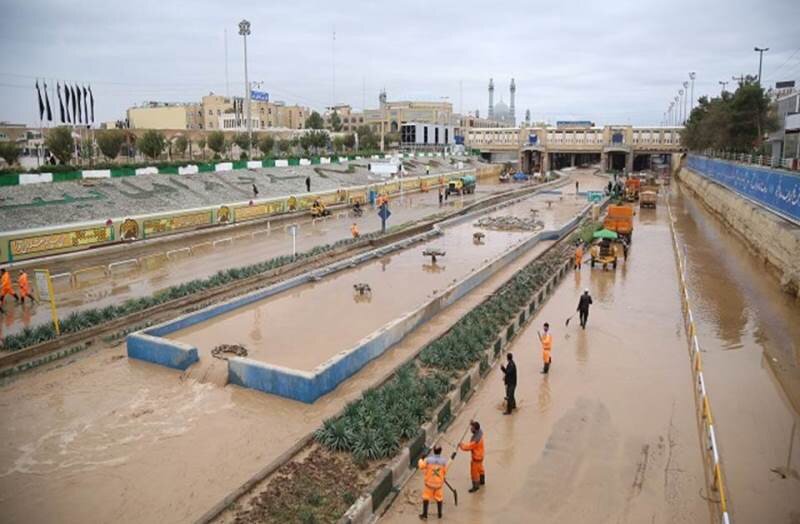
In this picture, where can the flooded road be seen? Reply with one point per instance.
(749, 334)
(610, 434)
(100, 437)
(157, 270)
(285, 329)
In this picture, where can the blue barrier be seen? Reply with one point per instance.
(775, 190)
(170, 353)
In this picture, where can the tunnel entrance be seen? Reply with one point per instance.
(531, 162)
(564, 160)
(617, 160)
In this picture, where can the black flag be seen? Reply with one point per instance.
(47, 104)
(85, 106)
(68, 98)
(80, 101)
(74, 105)
(91, 103)
(41, 104)
(60, 102)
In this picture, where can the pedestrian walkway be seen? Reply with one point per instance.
(610, 434)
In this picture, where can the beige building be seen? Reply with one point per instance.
(218, 113)
(390, 115)
(156, 115)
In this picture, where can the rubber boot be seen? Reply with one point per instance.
(439, 508)
(483, 479)
(424, 514)
(475, 487)
(546, 368)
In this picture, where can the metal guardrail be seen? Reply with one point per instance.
(790, 164)
(711, 450)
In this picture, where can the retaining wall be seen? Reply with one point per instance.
(774, 239)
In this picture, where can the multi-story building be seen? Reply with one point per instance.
(390, 115)
(219, 113)
(160, 115)
(785, 142)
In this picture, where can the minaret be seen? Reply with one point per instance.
(491, 99)
(527, 116)
(511, 107)
(382, 98)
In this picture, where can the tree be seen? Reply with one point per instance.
(242, 140)
(266, 144)
(336, 122)
(284, 146)
(216, 141)
(201, 143)
(314, 121)
(367, 139)
(110, 142)
(151, 143)
(732, 122)
(181, 144)
(60, 143)
(338, 144)
(9, 151)
(392, 138)
(350, 141)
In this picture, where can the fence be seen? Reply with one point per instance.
(711, 453)
(792, 164)
(774, 190)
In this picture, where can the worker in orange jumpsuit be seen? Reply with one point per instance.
(579, 256)
(475, 447)
(5, 286)
(435, 469)
(354, 230)
(24, 287)
(546, 340)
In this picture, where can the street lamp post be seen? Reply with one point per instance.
(760, 51)
(677, 109)
(685, 101)
(723, 84)
(244, 30)
(691, 101)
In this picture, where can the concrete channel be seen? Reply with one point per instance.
(130, 441)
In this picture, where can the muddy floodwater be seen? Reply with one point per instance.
(103, 438)
(251, 244)
(749, 332)
(304, 327)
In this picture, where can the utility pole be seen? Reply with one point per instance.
(760, 51)
(739, 79)
(691, 102)
(333, 61)
(723, 84)
(227, 81)
(681, 105)
(677, 110)
(244, 30)
(685, 102)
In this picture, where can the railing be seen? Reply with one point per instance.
(792, 164)
(711, 453)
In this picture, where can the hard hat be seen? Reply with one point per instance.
(586, 290)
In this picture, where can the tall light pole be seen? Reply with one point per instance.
(671, 105)
(677, 110)
(244, 30)
(723, 84)
(691, 102)
(760, 51)
(685, 101)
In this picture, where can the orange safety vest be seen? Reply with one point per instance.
(354, 230)
(435, 468)
(475, 447)
(5, 282)
(579, 253)
(547, 342)
(24, 286)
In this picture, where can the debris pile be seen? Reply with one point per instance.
(223, 351)
(510, 223)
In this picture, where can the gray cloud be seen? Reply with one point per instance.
(606, 61)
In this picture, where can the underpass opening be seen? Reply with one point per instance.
(617, 160)
(562, 160)
(531, 161)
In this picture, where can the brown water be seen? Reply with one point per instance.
(749, 333)
(162, 272)
(610, 434)
(102, 438)
(306, 326)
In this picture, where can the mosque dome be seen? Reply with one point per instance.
(500, 110)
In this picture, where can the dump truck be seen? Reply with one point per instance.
(464, 185)
(632, 187)
(620, 220)
(648, 195)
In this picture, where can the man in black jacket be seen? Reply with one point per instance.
(510, 380)
(583, 307)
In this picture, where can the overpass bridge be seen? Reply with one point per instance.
(615, 147)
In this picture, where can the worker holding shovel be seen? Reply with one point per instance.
(475, 447)
(435, 469)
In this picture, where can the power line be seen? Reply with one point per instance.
(775, 71)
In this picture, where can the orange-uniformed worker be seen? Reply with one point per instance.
(547, 346)
(578, 256)
(5, 286)
(434, 468)
(354, 230)
(475, 447)
(24, 286)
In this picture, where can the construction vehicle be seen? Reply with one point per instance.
(632, 187)
(318, 209)
(648, 195)
(620, 220)
(464, 185)
(604, 252)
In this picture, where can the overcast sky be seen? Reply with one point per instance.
(616, 61)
